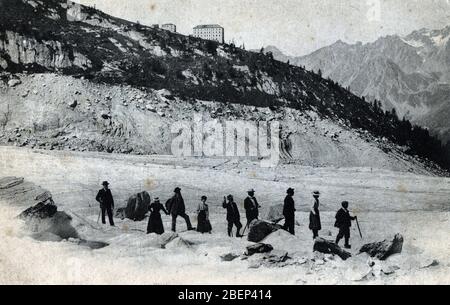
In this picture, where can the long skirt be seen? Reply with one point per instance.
(155, 224)
(203, 225)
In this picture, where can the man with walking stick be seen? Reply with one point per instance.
(105, 198)
(251, 206)
(344, 222)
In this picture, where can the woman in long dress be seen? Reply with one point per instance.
(155, 224)
(314, 216)
(203, 225)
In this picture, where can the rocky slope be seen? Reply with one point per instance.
(410, 74)
(76, 78)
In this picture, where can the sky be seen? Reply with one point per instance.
(297, 27)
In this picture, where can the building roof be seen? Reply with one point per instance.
(207, 26)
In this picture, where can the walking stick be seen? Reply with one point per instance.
(245, 228)
(359, 229)
(98, 219)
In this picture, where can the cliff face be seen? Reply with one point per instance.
(52, 55)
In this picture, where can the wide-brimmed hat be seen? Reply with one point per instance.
(229, 196)
(105, 183)
(251, 191)
(204, 197)
(177, 189)
(156, 199)
(290, 190)
(316, 193)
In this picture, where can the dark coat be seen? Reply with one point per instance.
(314, 220)
(343, 219)
(251, 208)
(232, 211)
(289, 207)
(175, 205)
(155, 224)
(105, 198)
(203, 224)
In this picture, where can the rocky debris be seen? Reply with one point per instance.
(258, 248)
(274, 213)
(382, 250)
(258, 230)
(328, 247)
(9, 182)
(229, 257)
(14, 82)
(274, 259)
(137, 206)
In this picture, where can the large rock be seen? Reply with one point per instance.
(41, 210)
(14, 82)
(328, 247)
(258, 248)
(258, 230)
(274, 213)
(59, 224)
(137, 206)
(382, 250)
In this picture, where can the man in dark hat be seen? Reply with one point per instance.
(175, 206)
(105, 198)
(289, 211)
(233, 215)
(344, 222)
(251, 207)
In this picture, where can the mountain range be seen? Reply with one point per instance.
(409, 73)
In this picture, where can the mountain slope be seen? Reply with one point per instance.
(410, 74)
(164, 76)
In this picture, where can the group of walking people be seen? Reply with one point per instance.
(175, 207)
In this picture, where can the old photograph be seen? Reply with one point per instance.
(237, 142)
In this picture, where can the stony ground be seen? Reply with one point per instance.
(386, 203)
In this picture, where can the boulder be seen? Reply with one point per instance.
(382, 250)
(137, 206)
(14, 82)
(41, 210)
(258, 230)
(328, 247)
(274, 213)
(258, 248)
(59, 224)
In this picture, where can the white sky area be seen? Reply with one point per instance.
(297, 27)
